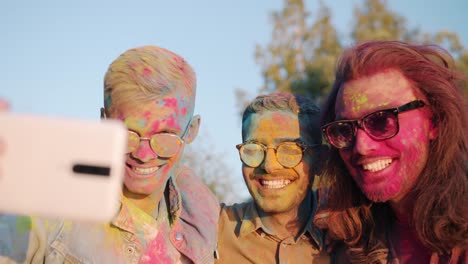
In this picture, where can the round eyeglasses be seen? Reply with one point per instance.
(165, 145)
(288, 154)
(379, 125)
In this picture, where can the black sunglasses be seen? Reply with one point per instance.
(379, 125)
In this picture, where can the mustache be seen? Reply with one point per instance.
(284, 174)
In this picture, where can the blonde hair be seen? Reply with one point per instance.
(145, 73)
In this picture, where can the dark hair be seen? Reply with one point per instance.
(303, 106)
(440, 215)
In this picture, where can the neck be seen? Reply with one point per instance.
(290, 223)
(403, 208)
(146, 202)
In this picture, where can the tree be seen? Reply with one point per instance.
(213, 171)
(301, 58)
(375, 21)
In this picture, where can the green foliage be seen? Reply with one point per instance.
(214, 172)
(375, 21)
(302, 54)
(300, 57)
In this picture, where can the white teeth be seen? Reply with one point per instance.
(145, 170)
(377, 165)
(274, 184)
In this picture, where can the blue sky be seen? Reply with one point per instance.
(55, 53)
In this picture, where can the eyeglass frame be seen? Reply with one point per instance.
(357, 123)
(302, 145)
(181, 137)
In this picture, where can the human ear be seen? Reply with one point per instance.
(432, 130)
(193, 129)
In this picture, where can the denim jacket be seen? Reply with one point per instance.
(184, 232)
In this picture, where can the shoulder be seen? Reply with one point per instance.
(230, 225)
(16, 232)
(197, 198)
(26, 239)
(235, 212)
(232, 216)
(199, 215)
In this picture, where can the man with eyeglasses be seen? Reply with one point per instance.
(167, 214)
(280, 154)
(396, 121)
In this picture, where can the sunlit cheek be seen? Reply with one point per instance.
(171, 163)
(247, 173)
(416, 155)
(303, 168)
(413, 148)
(166, 169)
(249, 179)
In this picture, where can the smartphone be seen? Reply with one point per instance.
(60, 167)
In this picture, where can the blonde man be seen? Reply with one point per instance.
(167, 214)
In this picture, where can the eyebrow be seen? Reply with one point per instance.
(281, 140)
(337, 118)
(277, 140)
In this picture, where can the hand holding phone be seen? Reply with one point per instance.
(59, 167)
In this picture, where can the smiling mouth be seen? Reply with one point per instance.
(143, 171)
(274, 184)
(377, 165)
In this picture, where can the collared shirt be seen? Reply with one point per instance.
(243, 238)
(183, 232)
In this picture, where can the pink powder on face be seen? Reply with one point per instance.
(177, 105)
(120, 116)
(277, 118)
(408, 149)
(378, 193)
(171, 102)
(173, 123)
(155, 126)
(146, 114)
(144, 152)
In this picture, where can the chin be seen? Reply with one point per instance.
(141, 190)
(271, 207)
(381, 196)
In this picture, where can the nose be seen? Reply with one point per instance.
(363, 143)
(144, 152)
(270, 163)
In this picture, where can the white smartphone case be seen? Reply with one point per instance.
(61, 168)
